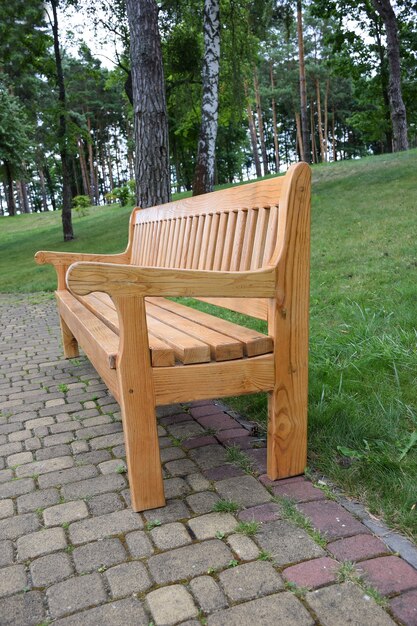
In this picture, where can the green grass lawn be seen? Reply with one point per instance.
(363, 357)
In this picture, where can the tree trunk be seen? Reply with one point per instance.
(50, 187)
(93, 182)
(397, 107)
(326, 120)
(384, 78)
(260, 122)
(83, 166)
(43, 188)
(152, 171)
(62, 133)
(319, 123)
(205, 165)
(11, 204)
(252, 131)
(303, 87)
(25, 199)
(334, 135)
(274, 118)
(299, 136)
(313, 136)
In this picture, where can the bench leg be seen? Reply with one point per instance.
(69, 342)
(137, 400)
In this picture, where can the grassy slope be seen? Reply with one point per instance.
(362, 408)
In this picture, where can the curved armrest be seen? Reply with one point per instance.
(67, 258)
(131, 280)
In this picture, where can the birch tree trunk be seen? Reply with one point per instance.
(397, 107)
(303, 87)
(152, 171)
(319, 122)
(260, 122)
(204, 171)
(252, 132)
(274, 118)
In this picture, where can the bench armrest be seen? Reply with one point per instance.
(130, 280)
(67, 258)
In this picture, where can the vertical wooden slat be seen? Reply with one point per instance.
(142, 251)
(218, 254)
(204, 242)
(271, 236)
(228, 243)
(162, 242)
(168, 243)
(238, 240)
(260, 237)
(199, 236)
(149, 244)
(137, 237)
(157, 239)
(212, 243)
(174, 237)
(186, 242)
(193, 234)
(180, 244)
(247, 247)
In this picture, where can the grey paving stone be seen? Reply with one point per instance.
(172, 604)
(170, 536)
(50, 569)
(181, 467)
(202, 502)
(139, 544)
(171, 454)
(12, 580)
(209, 456)
(52, 452)
(113, 466)
(14, 527)
(95, 457)
(22, 610)
(175, 487)
(243, 546)
(10, 448)
(281, 608)
(189, 561)
(287, 543)
(6, 553)
(208, 526)
(97, 554)
(35, 544)
(65, 513)
(128, 612)
(245, 490)
(6, 508)
(66, 476)
(16, 488)
(93, 486)
(34, 443)
(37, 500)
(173, 511)
(208, 594)
(128, 578)
(198, 482)
(184, 430)
(75, 594)
(6, 475)
(19, 459)
(99, 527)
(249, 581)
(105, 503)
(359, 606)
(107, 441)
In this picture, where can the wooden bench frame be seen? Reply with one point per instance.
(278, 292)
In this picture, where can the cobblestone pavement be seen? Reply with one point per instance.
(228, 549)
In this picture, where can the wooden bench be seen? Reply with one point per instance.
(245, 248)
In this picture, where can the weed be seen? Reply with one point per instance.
(225, 506)
(121, 469)
(264, 556)
(290, 512)
(153, 524)
(235, 455)
(220, 535)
(233, 563)
(63, 388)
(247, 528)
(300, 592)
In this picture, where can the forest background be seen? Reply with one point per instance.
(78, 112)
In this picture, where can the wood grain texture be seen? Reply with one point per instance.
(213, 380)
(137, 400)
(288, 323)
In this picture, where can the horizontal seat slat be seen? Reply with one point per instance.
(222, 347)
(254, 343)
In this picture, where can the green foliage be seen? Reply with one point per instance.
(225, 506)
(248, 528)
(81, 204)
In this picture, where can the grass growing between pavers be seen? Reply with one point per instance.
(362, 408)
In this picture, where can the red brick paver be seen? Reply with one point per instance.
(331, 519)
(404, 608)
(389, 574)
(357, 548)
(313, 574)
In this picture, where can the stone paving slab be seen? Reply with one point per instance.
(222, 552)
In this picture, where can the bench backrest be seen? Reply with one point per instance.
(235, 229)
